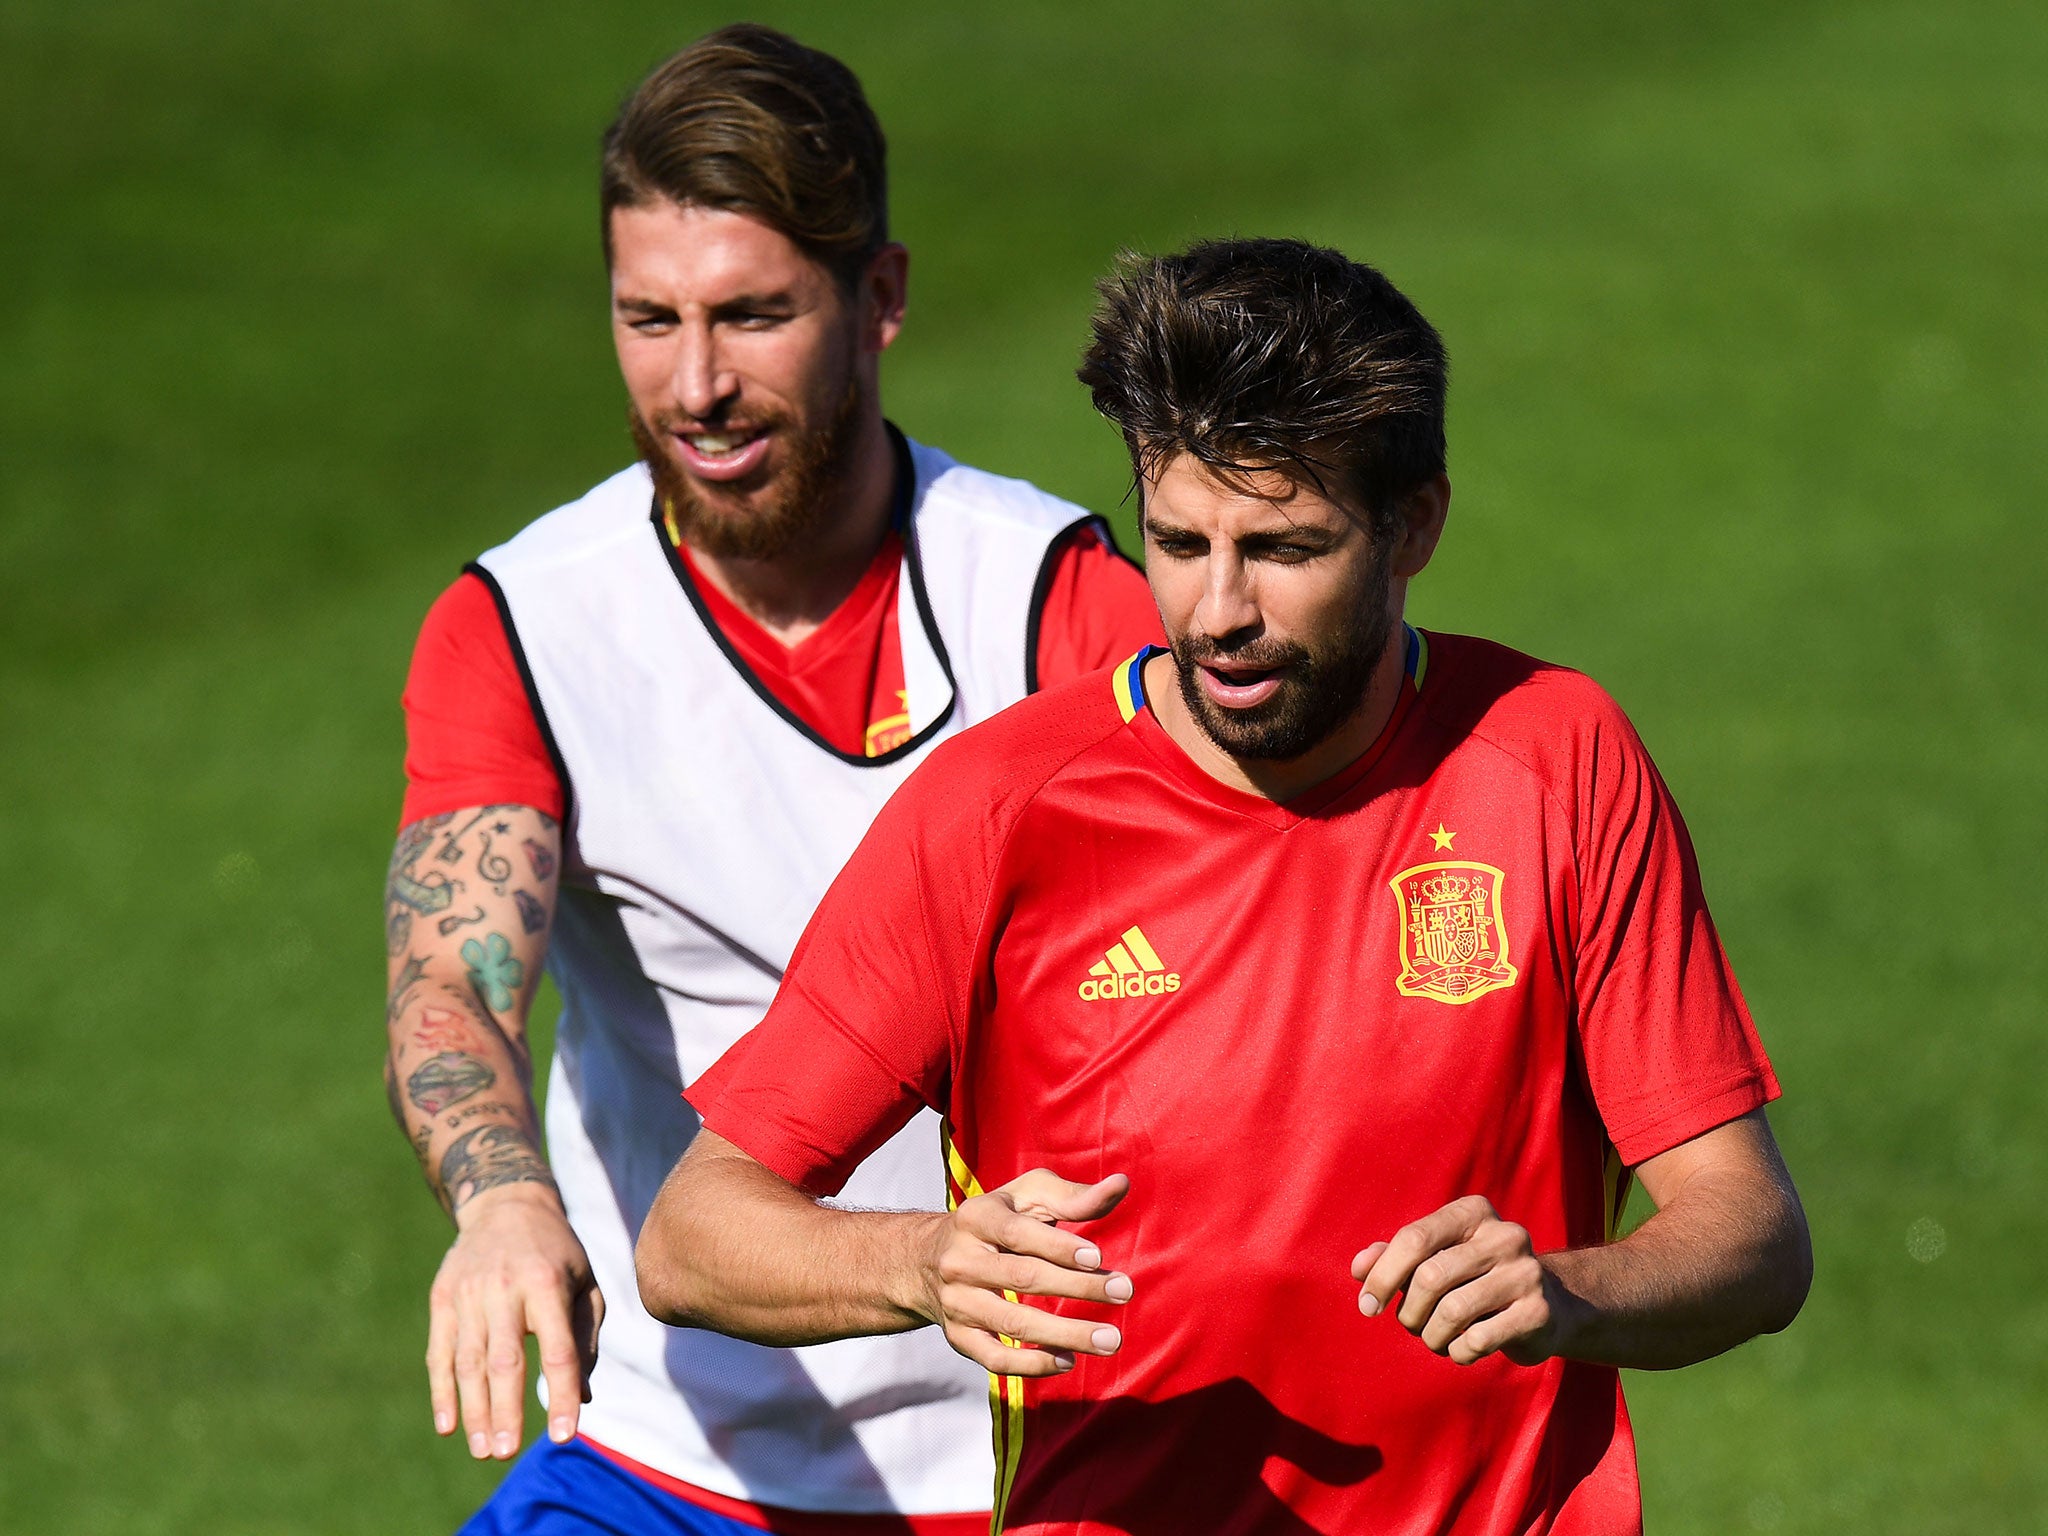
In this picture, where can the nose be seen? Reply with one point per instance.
(703, 386)
(1229, 605)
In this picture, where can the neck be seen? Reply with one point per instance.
(795, 592)
(1282, 779)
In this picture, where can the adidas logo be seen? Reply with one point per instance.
(1132, 968)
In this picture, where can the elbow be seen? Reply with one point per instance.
(1792, 1272)
(664, 1285)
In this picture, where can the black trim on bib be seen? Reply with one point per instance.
(1034, 619)
(903, 522)
(540, 713)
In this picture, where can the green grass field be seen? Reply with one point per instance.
(301, 306)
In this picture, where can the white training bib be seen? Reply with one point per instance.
(704, 825)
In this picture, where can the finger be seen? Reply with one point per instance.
(507, 1369)
(561, 1362)
(1526, 1319)
(1028, 1325)
(1465, 1306)
(1048, 1197)
(441, 1360)
(589, 1322)
(1361, 1265)
(1440, 1229)
(1000, 1359)
(967, 1262)
(471, 1384)
(1436, 1277)
(994, 1221)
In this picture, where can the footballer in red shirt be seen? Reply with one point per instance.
(1300, 1001)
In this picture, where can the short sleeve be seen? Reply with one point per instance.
(865, 1029)
(1669, 1046)
(470, 733)
(1096, 608)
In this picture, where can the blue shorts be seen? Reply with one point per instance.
(570, 1490)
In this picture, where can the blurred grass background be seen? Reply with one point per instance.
(301, 306)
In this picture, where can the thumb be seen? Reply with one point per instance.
(1048, 1197)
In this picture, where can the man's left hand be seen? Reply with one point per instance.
(1470, 1285)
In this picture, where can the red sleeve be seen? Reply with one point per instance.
(865, 1028)
(1095, 609)
(470, 734)
(1669, 1046)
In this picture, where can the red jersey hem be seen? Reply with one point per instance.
(797, 1522)
(1729, 1100)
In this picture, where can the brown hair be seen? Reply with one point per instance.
(748, 118)
(1272, 354)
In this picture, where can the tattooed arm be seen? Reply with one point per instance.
(466, 914)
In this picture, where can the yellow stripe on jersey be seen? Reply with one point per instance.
(1618, 1182)
(1005, 1393)
(1120, 685)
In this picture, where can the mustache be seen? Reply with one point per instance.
(678, 422)
(1264, 654)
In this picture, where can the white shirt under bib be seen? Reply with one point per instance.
(704, 824)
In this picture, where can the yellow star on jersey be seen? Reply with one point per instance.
(1441, 838)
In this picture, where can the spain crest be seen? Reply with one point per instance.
(1454, 945)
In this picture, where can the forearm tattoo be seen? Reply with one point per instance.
(455, 1008)
(443, 1081)
(488, 1157)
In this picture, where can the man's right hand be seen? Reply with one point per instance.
(1005, 1242)
(515, 1268)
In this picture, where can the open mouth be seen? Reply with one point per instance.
(1239, 687)
(723, 455)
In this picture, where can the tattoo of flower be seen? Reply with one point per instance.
(532, 915)
(447, 1079)
(495, 972)
(487, 1157)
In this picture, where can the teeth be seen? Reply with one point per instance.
(714, 442)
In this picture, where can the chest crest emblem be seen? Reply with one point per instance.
(1454, 945)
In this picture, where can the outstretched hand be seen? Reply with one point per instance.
(1003, 1245)
(515, 1268)
(1470, 1285)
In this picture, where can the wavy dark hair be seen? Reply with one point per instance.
(748, 118)
(1272, 354)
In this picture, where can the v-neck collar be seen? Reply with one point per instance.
(903, 519)
(1129, 686)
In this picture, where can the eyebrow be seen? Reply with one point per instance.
(745, 303)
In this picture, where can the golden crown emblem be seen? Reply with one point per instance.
(1445, 889)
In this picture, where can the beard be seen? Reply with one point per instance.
(1318, 692)
(795, 504)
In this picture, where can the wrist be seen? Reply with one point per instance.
(1572, 1316)
(911, 1283)
(535, 1191)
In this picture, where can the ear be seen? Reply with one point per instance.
(1422, 524)
(884, 291)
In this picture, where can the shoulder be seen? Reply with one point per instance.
(990, 773)
(957, 490)
(610, 512)
(1554, 720)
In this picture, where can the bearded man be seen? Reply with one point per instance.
(643, 736)
(1331, 977)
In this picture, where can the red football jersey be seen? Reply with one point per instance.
(1477, 961)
